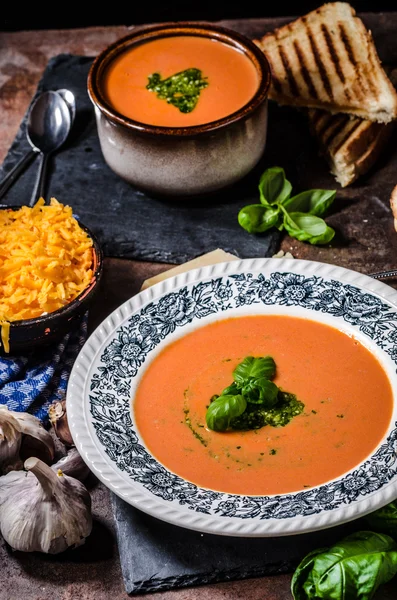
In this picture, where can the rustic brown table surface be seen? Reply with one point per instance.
(371, 246)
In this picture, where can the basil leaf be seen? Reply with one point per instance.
(300, 578)
(256, 218)
(222, 410)
(231, 390)
(307, 228)
(273, 186)
(353, 568)
(384, 520)
(314, 202)
(256, 368)
(260, 391)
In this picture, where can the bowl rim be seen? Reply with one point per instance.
(296, 512)
(98, 259)
(146, 33)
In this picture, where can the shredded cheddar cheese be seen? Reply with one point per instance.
(46, 261)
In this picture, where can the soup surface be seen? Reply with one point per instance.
(230, 76)
(346, 392)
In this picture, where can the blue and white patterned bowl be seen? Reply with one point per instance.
(111, 363)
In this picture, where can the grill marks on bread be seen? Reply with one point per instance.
(305, 70)
(333, 53)
(293, 86)
(327, 59)
(322, 63)
(333, 130)
(350, 145)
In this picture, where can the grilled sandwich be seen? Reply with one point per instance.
(327, 59)
(350, 145)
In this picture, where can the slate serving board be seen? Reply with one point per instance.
(128, 222)
(158, 556)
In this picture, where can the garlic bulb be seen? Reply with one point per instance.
(22, 431)
(59, 421)
(43, 510)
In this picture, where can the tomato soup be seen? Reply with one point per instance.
(346, 392)
(229, 79)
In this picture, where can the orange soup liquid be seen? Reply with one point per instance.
(346, 392)
(232, 80)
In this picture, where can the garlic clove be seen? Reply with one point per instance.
(43, 510)
(17, 430)
(59, 421)
(31, 446)
(73, 465)
(10, 442)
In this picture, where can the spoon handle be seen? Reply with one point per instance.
(39, 186)
(16, 171)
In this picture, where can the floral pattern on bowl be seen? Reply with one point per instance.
(114, 358)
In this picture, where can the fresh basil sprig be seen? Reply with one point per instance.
(252, 399)
(353, 568)
(299, 215)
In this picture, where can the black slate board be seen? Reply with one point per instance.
(157, 556)
(129, 223)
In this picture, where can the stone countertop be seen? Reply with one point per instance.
(94, 570)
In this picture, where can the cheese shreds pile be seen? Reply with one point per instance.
(46, 261)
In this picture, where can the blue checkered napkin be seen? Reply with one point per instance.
(30, 384)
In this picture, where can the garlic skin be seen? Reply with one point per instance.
(59, 421)
(10, 443)
(17, 429)
(73, 465)
(43, 510)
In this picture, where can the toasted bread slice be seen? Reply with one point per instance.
(350, 145)
(327, 59)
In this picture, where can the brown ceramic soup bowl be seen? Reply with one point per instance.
(182, 125)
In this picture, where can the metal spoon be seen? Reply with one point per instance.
(34, 115)
(48, 127)
(70, 100)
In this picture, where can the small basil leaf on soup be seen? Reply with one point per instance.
(222, 410)
(353, 568)
(255, 368)
(308, 228)
(182, 90)
(274, 188)
(256, 218)
(260, 391)
(314, 202)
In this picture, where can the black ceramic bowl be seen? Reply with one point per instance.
(31, 335)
